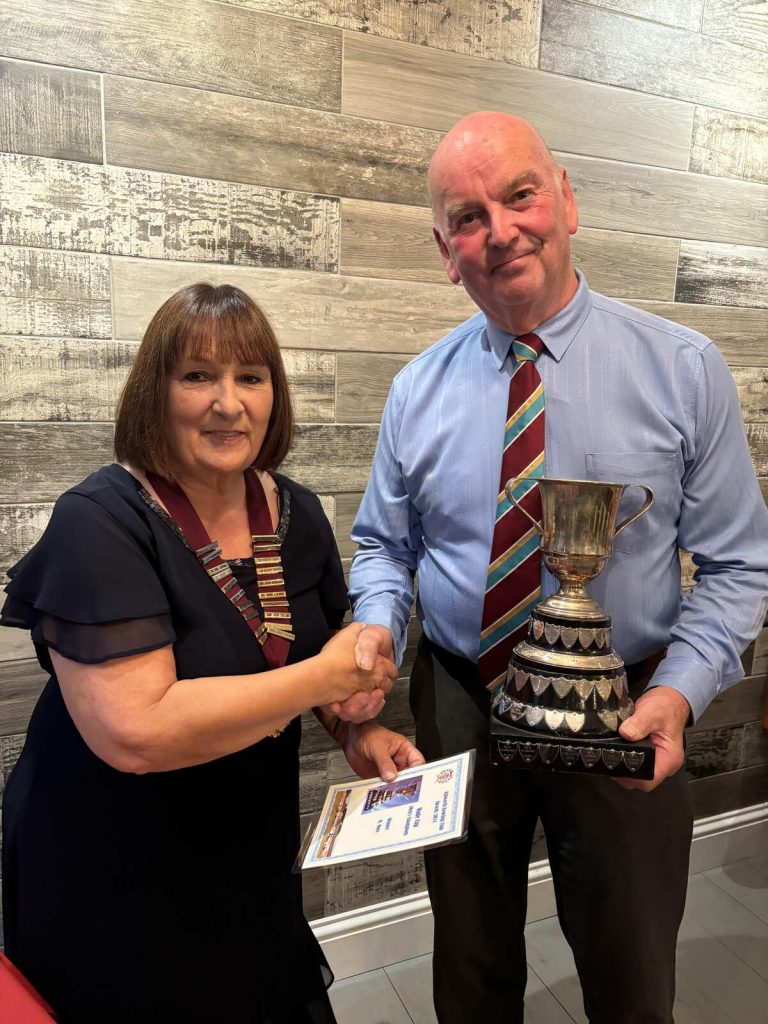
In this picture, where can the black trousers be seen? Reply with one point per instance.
(619, 862)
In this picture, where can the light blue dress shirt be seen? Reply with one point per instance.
(629, 397)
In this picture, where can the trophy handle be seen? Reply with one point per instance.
(636, 515)
(509, 487)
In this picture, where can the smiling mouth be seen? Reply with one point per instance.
(225, 435)
(512, 260)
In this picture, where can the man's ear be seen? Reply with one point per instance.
(450, 269)
(571, 207)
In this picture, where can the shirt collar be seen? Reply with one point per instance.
(557, 333)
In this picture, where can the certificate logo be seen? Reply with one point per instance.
(444, 776)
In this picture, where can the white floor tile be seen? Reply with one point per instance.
(550, 957)
(726, 982)
(412, 980)
(541, 1007)
(730, 922)
(747, 882)
(367, 999)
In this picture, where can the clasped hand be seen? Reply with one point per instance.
(355, 692)
(372, 643)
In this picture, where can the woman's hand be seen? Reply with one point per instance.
(342, 677)
(373, 750)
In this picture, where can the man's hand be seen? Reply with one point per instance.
(373, 750)
(661, 713)
(373, 640)
(362, 706)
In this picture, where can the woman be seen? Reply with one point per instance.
(182, 601)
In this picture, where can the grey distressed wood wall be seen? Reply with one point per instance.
(282, 146)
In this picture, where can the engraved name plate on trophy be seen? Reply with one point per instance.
(565, 694)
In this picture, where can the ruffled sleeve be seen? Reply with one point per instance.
(89, 588)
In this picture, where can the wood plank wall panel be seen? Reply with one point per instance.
(731, 145)
(723, 274)
(41, 460)
(50, 112)
(61, 379)
(751, 384)
(188, 131)
(389, 240)
(63, 205)
(188, 42)
(495, 30)
(411, 85)
(55, 293)
(346, 510)
(363, 380)
(20, 685)
(583, 41)
(307, 310)
(741, 21)
(680, 13)
(627, 197)
(233, 153)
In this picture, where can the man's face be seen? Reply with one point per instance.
(504, 215)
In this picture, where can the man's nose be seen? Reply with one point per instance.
(503, 229)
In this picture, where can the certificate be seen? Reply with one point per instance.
(424, 806)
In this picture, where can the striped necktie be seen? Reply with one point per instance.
(513, 585)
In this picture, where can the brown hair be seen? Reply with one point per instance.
(196, 322)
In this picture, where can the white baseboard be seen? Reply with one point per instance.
(386, 933)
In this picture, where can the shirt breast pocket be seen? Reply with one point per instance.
(662, 472)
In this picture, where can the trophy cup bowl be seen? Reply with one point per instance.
(566, 694)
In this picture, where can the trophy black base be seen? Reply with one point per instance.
(586, 755)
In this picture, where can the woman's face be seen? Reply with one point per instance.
(218, 414)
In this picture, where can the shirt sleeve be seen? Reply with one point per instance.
(388, 533)
(724, 523)
(89, 588)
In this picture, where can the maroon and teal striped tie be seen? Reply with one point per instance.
(513, 584)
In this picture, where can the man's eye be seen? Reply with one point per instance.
(524, 193)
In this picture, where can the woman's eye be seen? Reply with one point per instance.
(251, 378)
(195, 376)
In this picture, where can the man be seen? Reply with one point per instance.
(627, 397)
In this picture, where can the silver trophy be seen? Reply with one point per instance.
(565, 694)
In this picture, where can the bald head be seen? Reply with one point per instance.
(479, 130)
(503, 216)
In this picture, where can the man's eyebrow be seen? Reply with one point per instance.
(529, 177)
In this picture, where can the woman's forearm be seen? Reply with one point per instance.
(138, 717)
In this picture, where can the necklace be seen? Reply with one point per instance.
(274, 631)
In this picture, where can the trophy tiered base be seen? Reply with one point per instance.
(564, 699)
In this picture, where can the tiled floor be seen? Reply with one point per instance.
(722, 975)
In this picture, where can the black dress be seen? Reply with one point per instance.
(166, 897)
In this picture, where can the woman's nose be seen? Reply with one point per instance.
(227, 398)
